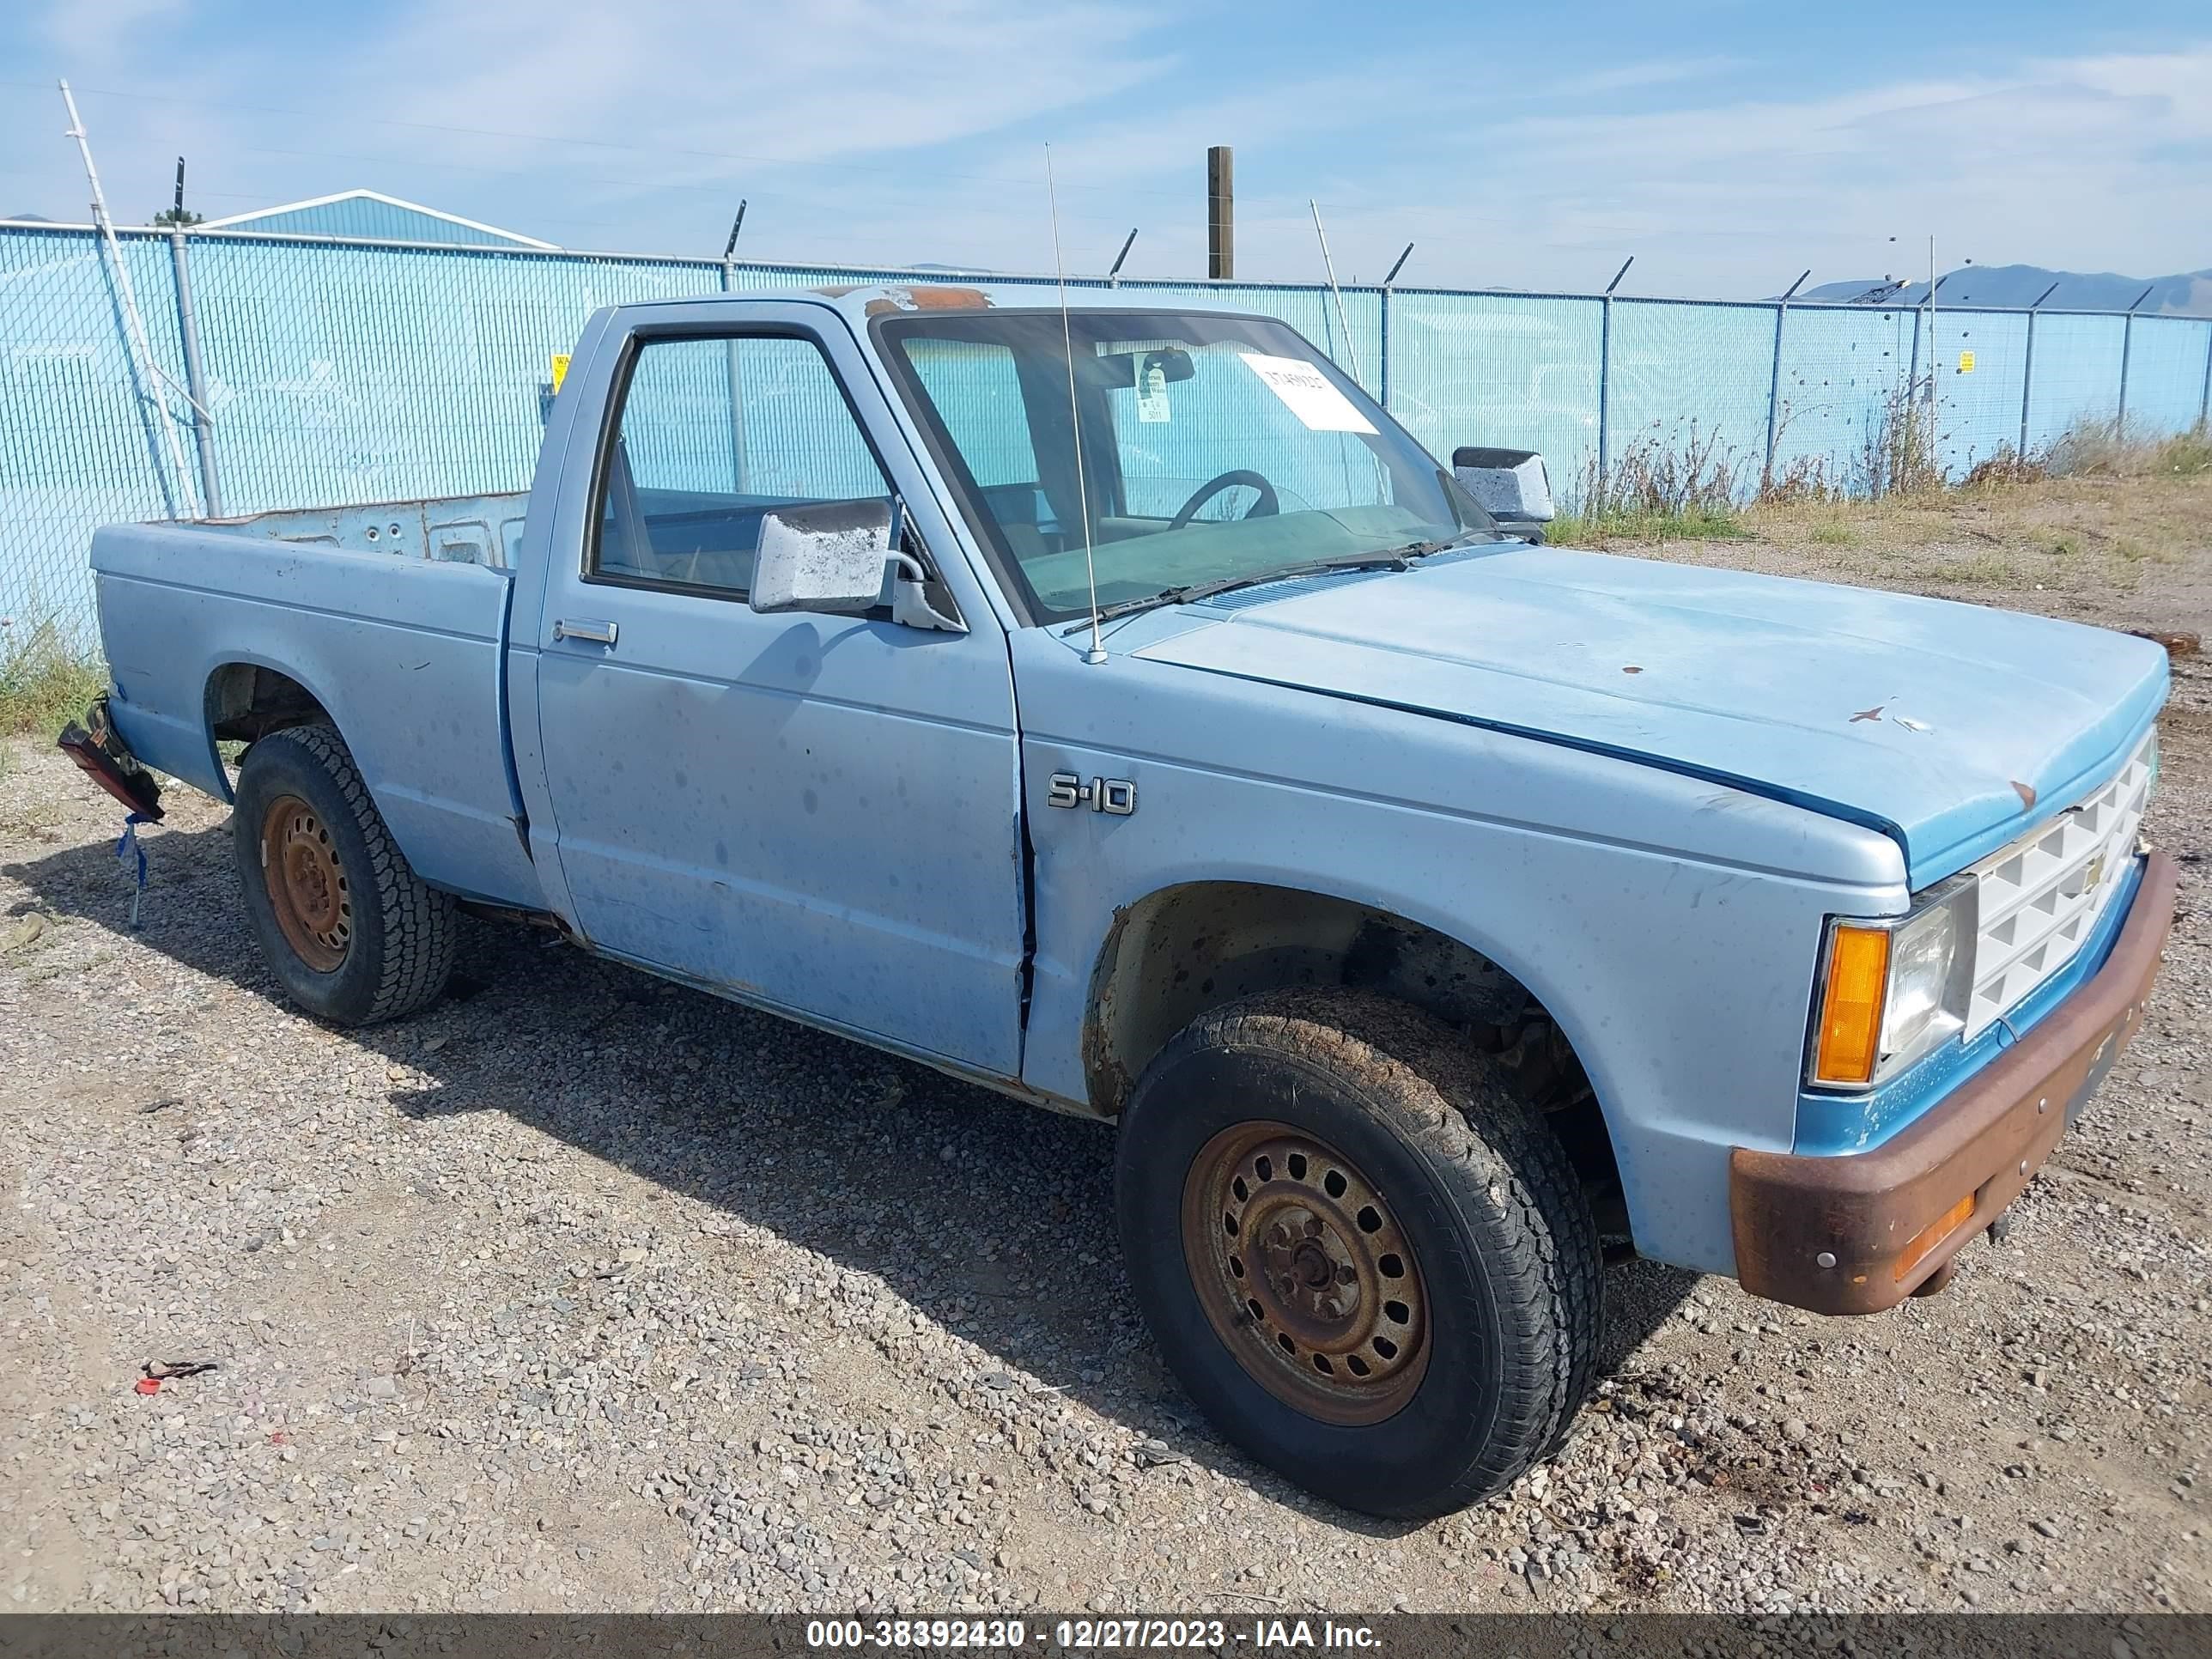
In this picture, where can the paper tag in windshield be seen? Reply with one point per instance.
(1151, 394)
(1307, 394)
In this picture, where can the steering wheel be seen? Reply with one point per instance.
(1266, 507)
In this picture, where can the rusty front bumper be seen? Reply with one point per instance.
(1829, 1233)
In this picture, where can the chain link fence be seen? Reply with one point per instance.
(77, 445)
(333, 372)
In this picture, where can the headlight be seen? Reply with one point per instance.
(1891, 990)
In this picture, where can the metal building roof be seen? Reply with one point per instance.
(369, 213)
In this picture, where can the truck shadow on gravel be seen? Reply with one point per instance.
(993, 1219)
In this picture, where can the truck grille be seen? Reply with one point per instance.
(2043, 895)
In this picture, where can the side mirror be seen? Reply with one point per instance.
(823, 556)
(1511, 484)
(836, 557)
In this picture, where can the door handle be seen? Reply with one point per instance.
(599, 633)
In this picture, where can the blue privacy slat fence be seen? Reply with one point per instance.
(336, 371)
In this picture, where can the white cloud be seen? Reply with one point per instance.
(2096, 163)
(556, 117)
(1655, 72)
(879, 131)
(100, 31)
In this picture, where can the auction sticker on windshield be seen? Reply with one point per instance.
(1307, 394)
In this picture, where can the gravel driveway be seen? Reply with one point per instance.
(582, 1292)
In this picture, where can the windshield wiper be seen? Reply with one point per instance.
(1191, 592)
(1422, 550)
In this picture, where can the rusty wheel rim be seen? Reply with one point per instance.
(1305, 1273)
(307, 884)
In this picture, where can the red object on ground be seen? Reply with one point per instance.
(149, 1385)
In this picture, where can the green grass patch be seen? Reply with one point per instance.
(2187, 455)
(1834, 535)
(1695, 524)
(2137, 552)
(43, 683)
(1987, 568)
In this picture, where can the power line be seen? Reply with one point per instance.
(719, 189)
(1455, 218)
(354, 119)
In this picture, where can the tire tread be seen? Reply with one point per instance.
(420, 926)
(1460, 1111)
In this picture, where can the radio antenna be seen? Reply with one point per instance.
(1096, 654)
(1343, 322)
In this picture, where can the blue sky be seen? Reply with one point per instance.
(1727, 146)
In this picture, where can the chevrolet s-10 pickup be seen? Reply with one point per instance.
(1118, 707)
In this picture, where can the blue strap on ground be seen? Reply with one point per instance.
(127, 847)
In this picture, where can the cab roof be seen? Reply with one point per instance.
(864, 301)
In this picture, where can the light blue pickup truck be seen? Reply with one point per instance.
(1117, 708)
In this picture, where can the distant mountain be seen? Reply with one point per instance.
(2189, 293)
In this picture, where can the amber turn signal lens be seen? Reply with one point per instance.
(1930, 1237)
(1850, 1009)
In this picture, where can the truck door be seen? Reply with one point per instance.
(816, 813)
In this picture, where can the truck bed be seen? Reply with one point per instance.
(483, 529)
(405, 653)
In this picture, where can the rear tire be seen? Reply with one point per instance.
(1364, 1258)
(350, 930)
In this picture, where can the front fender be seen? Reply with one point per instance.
(1669, 925)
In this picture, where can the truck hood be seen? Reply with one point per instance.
(1950, 727)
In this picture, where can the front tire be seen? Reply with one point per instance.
(1365, 1259)
(350, 930)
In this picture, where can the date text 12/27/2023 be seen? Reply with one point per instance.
(1087, 1634)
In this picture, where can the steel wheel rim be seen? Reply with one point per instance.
(1305, 1273)
(307, 884)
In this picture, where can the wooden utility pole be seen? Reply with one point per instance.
(1220, 213)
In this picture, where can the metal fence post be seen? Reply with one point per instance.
(2127, 347)
(2127, 350)
(737, 383)
(1384, 326)
(1774, 386)
(2205, 397)
(2027, 365)
(1604, 387)
(1605, 391)
(195, 387)
(1773, 396)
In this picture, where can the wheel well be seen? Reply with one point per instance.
(245, 700)
(1181, 951)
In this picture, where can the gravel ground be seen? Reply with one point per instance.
(581, 1291)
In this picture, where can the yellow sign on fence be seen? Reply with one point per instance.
(1966, 364)
(561, 368)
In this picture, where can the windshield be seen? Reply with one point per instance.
(1214, 450)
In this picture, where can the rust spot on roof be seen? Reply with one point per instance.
(928, 298)
(1631, 669)
(2025, 792)
(1873, 713)
(948, 299)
